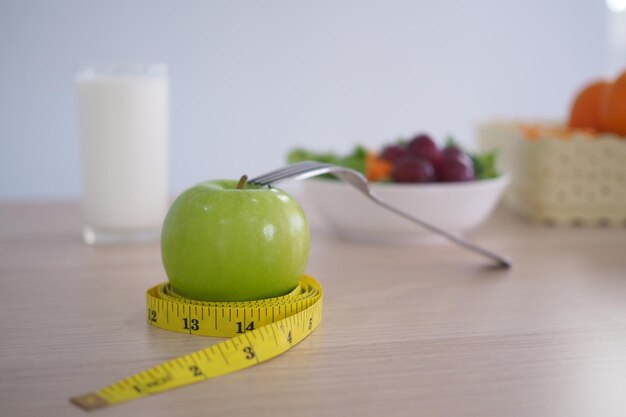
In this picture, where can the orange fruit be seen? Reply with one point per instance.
(613, 108)
(587, 108)
(531, 131)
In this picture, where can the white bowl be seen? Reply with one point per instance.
(455, 207)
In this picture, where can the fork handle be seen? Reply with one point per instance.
(502, 261)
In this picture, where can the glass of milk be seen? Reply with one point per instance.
(123, 113)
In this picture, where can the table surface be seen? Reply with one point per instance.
(428, 330)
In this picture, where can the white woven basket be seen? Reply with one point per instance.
(573, 179)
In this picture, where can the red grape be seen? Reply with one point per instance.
(455, 165)
(454, 153)
(413, 170)
(393, 153)
(424, 147)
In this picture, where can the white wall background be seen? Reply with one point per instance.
(251, 79)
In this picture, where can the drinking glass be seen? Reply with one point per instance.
(123, 114)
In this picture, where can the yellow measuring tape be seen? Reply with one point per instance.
(259, 330)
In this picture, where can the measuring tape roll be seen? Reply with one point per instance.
(259, 330)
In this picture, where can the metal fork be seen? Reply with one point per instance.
(308, 169)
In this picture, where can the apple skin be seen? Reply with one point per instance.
(220, 243)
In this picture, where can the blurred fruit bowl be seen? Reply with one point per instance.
(456, 207)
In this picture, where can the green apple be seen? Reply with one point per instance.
(229, 241)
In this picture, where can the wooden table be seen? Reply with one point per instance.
(407, 331)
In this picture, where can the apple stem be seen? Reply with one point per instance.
(242, 182)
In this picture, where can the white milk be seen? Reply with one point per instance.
(123, 119)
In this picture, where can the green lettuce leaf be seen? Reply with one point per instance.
(354, 160)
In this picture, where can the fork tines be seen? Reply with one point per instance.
(285, 172)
